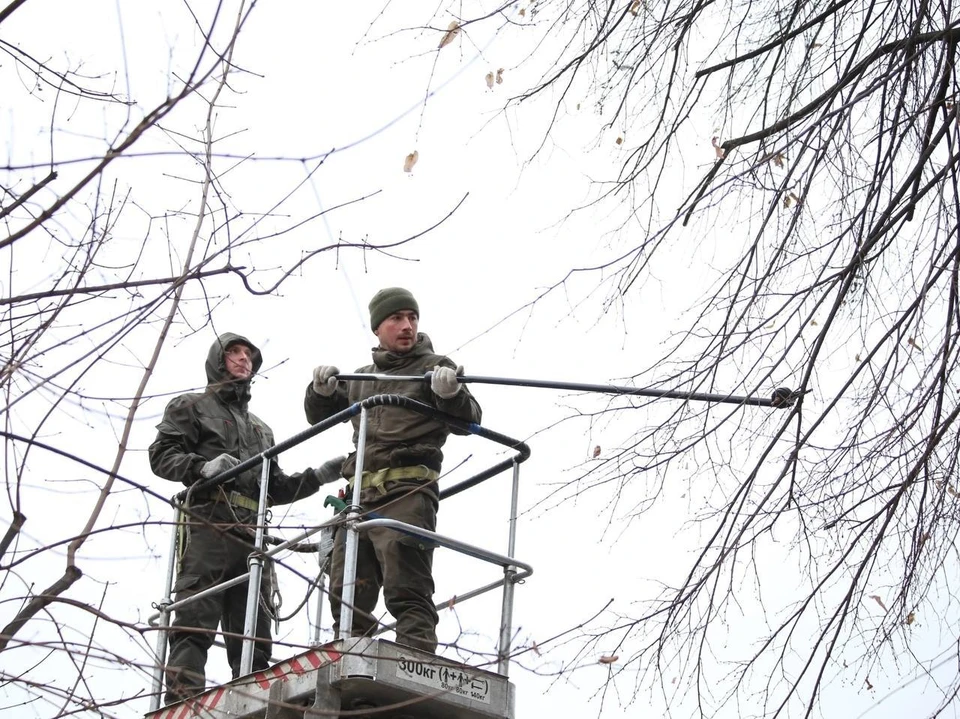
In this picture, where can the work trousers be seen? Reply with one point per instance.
(401, 564)
(212, 555)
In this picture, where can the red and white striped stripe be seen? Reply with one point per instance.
(204, 704)
(195, 706)
(280, 672)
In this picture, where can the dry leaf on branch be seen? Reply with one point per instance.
(879, 601)
(607, 660)
(489, 79)
(500, 76)
(452, 30)
(911, 618)
(596, 451)
(779, 159)
(790, 199)
(635, 7)
(716, 148)
(620, 140)
(410, 161)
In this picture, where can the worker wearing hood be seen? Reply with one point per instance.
(202, 435)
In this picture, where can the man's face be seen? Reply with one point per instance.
(398, 333)
(239, 361)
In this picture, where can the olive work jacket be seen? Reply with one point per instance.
(199, 426)
(397, 437)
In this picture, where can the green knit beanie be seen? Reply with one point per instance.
(390, 300)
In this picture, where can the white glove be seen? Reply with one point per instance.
(329, 471)
(325, 380)
(444, 381)
(218, 465)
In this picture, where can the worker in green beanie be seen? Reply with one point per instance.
(401, 466)
(390, 300)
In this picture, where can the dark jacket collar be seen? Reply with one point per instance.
(385, 360)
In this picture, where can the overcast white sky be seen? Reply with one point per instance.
(321, 77)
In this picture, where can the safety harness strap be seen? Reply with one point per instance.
(234, 498)
(379, 478)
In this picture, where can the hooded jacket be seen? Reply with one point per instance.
(397, 437)
(199, 426)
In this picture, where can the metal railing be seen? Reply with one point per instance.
(513, 570)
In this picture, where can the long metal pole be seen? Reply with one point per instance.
(164, 607)
(255, 562)
(509, 574)
(318, 617)
(781, 398)
(347, 591)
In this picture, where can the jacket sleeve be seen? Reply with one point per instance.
(318, 407)
(462, 404)
(287, 488)
(171, 454)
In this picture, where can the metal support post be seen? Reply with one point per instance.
(318, 618)
(164, 621)
(255, 562)
(509, 580)
(347, 591)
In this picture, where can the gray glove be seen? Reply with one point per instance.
(329, 471)
(218, 465)
(325, 380)
(444, 381)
